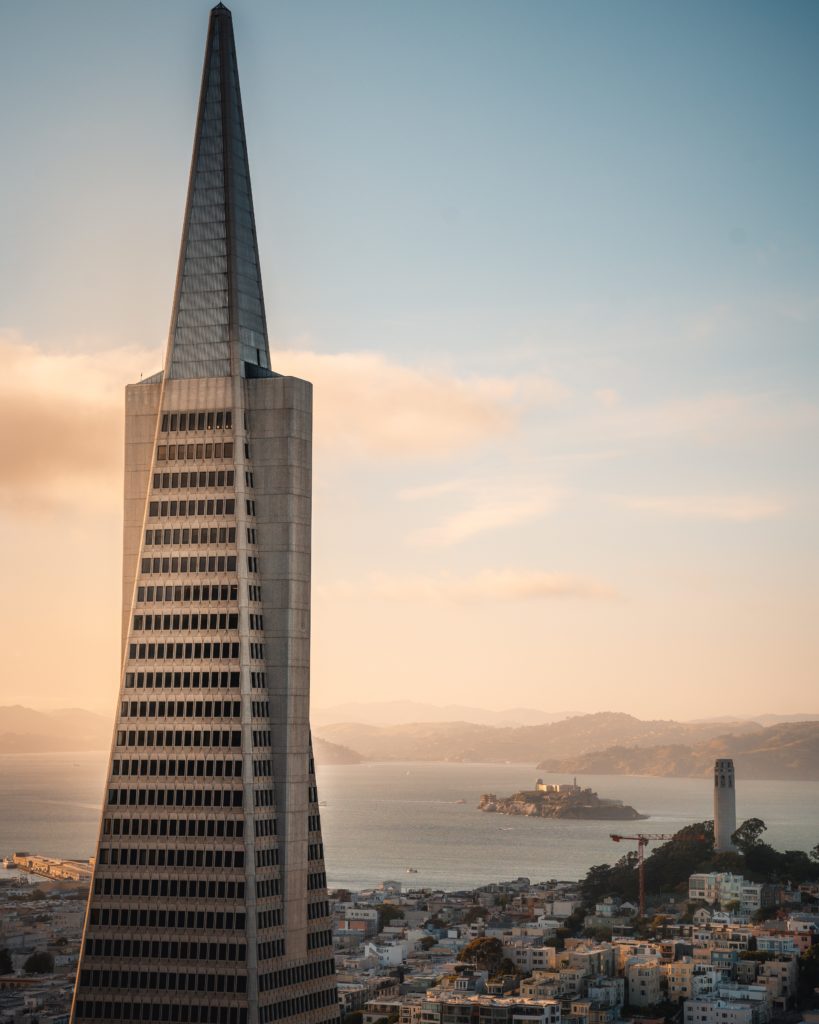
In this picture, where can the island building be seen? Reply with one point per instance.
(725, 805)
(208, 902)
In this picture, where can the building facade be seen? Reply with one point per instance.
(208, 901)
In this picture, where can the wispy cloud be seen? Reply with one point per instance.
(738, 508)
(61, 425)
(490, 505)
(486, 586)
(366, 405)
(61, 414)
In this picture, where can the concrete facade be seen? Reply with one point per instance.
(208, 900)
(725, 805)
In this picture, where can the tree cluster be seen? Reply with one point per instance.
(668, 867)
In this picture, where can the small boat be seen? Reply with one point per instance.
(412, 871)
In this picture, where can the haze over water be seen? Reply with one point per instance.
(380, 819)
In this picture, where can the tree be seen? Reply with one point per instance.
(814, 853)
(749, 834)
(39, 963)
(485, 954)
(389, 914)
(6, 966)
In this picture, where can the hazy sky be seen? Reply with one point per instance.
(553, 269)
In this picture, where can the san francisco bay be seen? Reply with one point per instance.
(407, 821)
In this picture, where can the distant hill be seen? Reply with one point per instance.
(334, 753)
(787, 751)
(402, 712)
(69, 730)
(464, 741)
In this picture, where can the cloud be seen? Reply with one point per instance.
(491, 505)
(61, 415)
(61, 425)
(486, 586)
(366, 405)
(724, 508)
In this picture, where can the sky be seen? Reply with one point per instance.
(553, 269)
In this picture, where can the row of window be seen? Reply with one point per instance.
(262, 768)
(215, 649)
(268, 887)
(266, 827)
(193, 451)
(257, 651)
(192, 564)
(317, 880)
(267, 858)
(257, 680)
(315, 851)
(221, 419)
(298, 1004)
(167, 1013)
(185, 828)
(269, 918)
(194, 620)
(254, 592)
(263, 797)
(260, 708)
(319, 940)
(130, 917)
(170, 888)
(179, 738)
(175, 797)
(317, 910)
(163, 950)
(194, 479)
(189, 592)
(193, 507)
(180, 680)
(270, 949)
(256, 621)
(162, 858)
(182, 709)
(297, 975)
(179, 769)
(193, 535)
(165, 981)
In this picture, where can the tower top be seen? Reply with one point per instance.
(218, 326)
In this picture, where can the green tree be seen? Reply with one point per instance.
(749, 834)
(389, 914)
(5, 962)
(39, 963)
(485, 954)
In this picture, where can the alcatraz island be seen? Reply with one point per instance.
(560, 800)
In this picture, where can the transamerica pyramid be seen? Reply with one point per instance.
(209, 903)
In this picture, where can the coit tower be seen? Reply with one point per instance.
(725, 805)
(209, 903)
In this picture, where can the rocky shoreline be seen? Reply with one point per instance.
(576, 803)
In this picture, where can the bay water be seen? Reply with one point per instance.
(417, 823)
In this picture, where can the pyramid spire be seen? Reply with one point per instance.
(218, 327)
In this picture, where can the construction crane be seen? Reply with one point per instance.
(642, 840)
